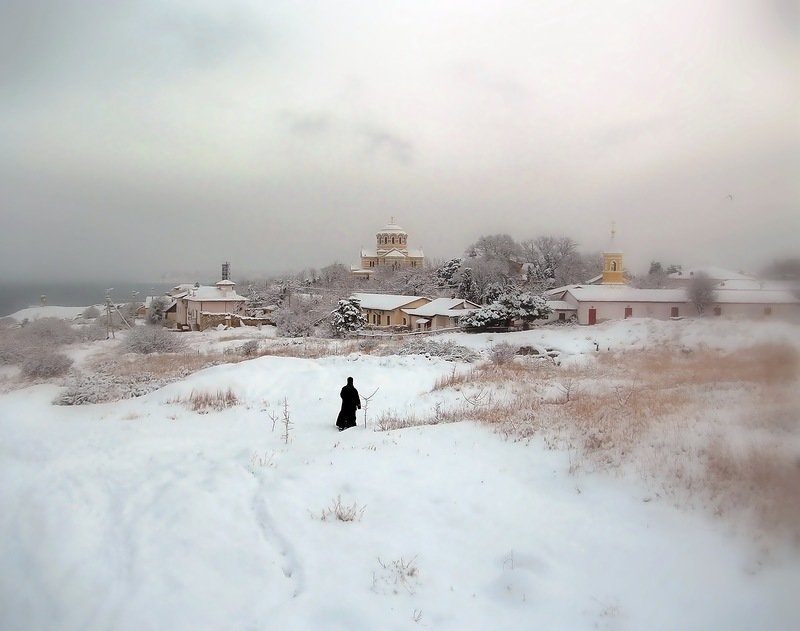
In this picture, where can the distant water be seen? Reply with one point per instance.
(14, 297)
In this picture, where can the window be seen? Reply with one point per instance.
(717, 311)
(674, 312)
(562, 316)
(613, 266)
(628, 312)
(388, 320)
(404, 321)
(767, 311)
(392, 240)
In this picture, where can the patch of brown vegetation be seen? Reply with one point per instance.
(665, 412)
(204, 401)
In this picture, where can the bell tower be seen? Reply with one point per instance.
(612, 262)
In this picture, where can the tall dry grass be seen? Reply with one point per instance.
(205, 401)
(669, 414)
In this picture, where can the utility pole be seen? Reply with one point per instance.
(109, 326)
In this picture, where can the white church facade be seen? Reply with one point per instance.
(391, 252)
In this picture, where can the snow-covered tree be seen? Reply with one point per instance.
(466, 286)
(446, 274)
(157, 311)
(512, 304)
(523, 305)
(347, 317)
(491, 315)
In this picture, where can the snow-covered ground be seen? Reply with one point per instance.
(141, 514)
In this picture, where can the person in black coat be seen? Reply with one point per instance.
(350, 403)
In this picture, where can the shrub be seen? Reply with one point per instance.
(91, 332)
(294, 321)
(41, 364)
(49, 332)
(448, 350)
(12, 350)
(152, 339)
(103, 387)
(502, 353)
(249, 348)
(90, 313)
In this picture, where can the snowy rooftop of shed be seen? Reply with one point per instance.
(385, 302)
(443, 306)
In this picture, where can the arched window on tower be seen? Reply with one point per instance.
(392, 240)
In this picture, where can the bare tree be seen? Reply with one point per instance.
(701, 291)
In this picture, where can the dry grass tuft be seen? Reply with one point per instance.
(342, 512)
(205, 401)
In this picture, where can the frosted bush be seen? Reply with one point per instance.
(91, 332)
(446, 350)
(41, 364)
(501, 354)
(249, 348)
(90, 313)
(48, 332)
(104, 387)
(12, 349)
(152, 339)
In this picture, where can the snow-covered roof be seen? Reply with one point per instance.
(714, 273)
(373, 253)
(172, 301)
(395, 254)
(623, 293)
(225, 283)
(754, 296)
(561, 305)
(753, 284)
(205, 293)
(385, 302)
(180, 290)
(443, 306)
(392, 227)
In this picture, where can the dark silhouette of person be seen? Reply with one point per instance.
(350, 403)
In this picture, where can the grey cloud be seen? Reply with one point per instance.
(311, 124)
(381, 142)
(484, 80)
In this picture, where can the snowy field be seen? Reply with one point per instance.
(144, 514)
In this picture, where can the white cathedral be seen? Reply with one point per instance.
(391, 252)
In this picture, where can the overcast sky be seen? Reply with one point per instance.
(144, 139)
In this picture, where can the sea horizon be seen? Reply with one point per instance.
(18, 295)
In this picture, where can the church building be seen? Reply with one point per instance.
(391, 252)
(608, 297)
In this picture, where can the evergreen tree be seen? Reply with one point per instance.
(445, 275)
(347, 317)
(467, 288)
